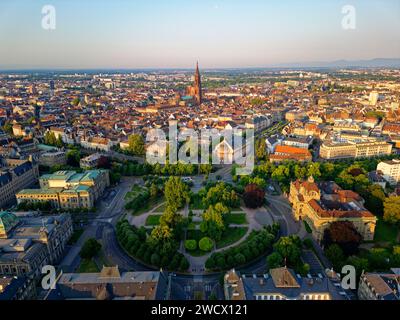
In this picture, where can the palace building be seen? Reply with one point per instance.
(68, 189)
(321, 204)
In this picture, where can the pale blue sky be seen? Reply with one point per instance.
(176, 33)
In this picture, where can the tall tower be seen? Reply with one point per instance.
(197, 85)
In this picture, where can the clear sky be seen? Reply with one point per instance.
(176, 33)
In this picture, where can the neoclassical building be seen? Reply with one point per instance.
(321, 204)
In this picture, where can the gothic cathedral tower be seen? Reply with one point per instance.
(197, 85)
(195, 89)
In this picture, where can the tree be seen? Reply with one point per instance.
(392, 210)
(59, 143)
(336, 256)
(261, 149)
(213, 220)
(240, 259)
(360, 264)
(73, 158)
(90, 249)
(378, 259)
(8, 128)
(222, 193)
(153, 191)
(374, 198)
(50, 138)
(170, 217)
(344, 234)
(289, 248)
(274, 260)
(184, 264)
(191, 245)
(136, 144)
(206, 244)
(253, 196)
(176, 192)
(161, 233)
(155, 259)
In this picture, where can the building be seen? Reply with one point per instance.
(17, 288)
(16, 175)
(68, 189)
(111, 284)
(283, 153)
(28, 244)
(342, 150)
(379, 286)
(390, 170)
(259, 123)
(52, 158)
(321, 204)
(96, 143)
(196, 90)
(279, 284)
(301, 142)
(233, 286)
(91, 161)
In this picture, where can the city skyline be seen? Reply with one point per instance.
(220, 34)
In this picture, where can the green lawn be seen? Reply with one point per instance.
(385, 232)
(147, 207)
(88, 266)
(161, 208)
(134, 192)
(153, 220)
(235, 218)
(231, 235)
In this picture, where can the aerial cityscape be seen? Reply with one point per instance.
(198, 179)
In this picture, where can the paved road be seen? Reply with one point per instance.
(109, 213)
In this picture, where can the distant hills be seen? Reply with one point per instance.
(373, 63)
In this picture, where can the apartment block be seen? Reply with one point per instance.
(390, 171)
(16, 175)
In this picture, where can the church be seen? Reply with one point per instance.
(195, 90)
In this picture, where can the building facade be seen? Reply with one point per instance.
(320, 205)
(379, 286)
(278, 284)
(68, 189)
(111, 284)
(28, 244)
(16, 175)
(390, 170)
(332, 151)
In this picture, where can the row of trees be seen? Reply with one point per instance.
(153, 249)
(258, 243)
(179, 169)
(51, 139)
